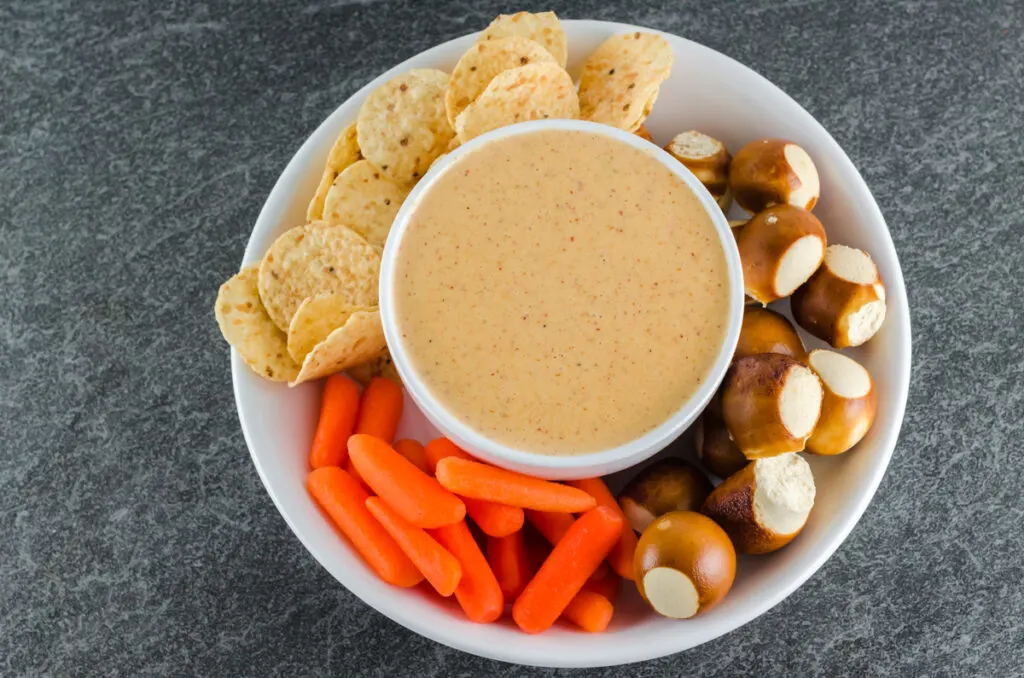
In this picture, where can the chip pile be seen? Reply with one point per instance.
(309, 309)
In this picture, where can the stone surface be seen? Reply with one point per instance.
(138, 141)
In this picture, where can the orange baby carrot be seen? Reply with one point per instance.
(344, 500)
(442, 448)
(413, 451)
(621, 557)
(380, 409)
(478, 591)
(590, 611)
(339, 406)
(480, 481)
(572, 561)
(552, 525)
(350, 469)
(507, 557)
(412, 493)
(605, 583)
(441, 568)
(496, 520)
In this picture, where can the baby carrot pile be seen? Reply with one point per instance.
(406, 508)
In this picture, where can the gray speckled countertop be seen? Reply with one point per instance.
(137, 143)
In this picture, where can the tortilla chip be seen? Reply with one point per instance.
(316, 259)
(315, 319)
(381, 366)
(365, 200)
(621, 78)
(246, 326)
(543, 28)
(344, 152)
(532, 92)
(403, 126)
(359, 340)
(645, 110)
(482, 62)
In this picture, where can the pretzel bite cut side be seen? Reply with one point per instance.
(806, 193)
(798, 263)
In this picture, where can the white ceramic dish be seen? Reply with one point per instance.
(706, 91)
(547, 466)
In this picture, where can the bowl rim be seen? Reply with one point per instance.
(560, 467)
(390, 603)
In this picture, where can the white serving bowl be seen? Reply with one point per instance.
(568, 466)
(706, 91)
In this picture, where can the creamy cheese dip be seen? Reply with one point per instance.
(561, 292)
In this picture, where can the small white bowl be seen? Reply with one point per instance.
(562, 467)
(707, 91)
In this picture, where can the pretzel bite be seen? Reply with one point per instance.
(764, 506)
(708, 159)
(684, 564)
(667, 485)
(770, 404)
(735, 225)
(780, 249)
(848, 406)
(765, 331)
(844, 302)
(715, 448)
(774, 172)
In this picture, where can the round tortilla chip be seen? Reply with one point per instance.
(532, 92)
(365, 200)
(344, 153)
(315, 319)
(542, 27)
(382, 366)
(403, 125)
(246, 326)
(621, 78)
(632, 123)
(319, 258)
(359, 340)
(482, 62)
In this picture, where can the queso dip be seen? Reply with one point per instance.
(561, 292)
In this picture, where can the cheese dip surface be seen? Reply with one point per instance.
(561, 292)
